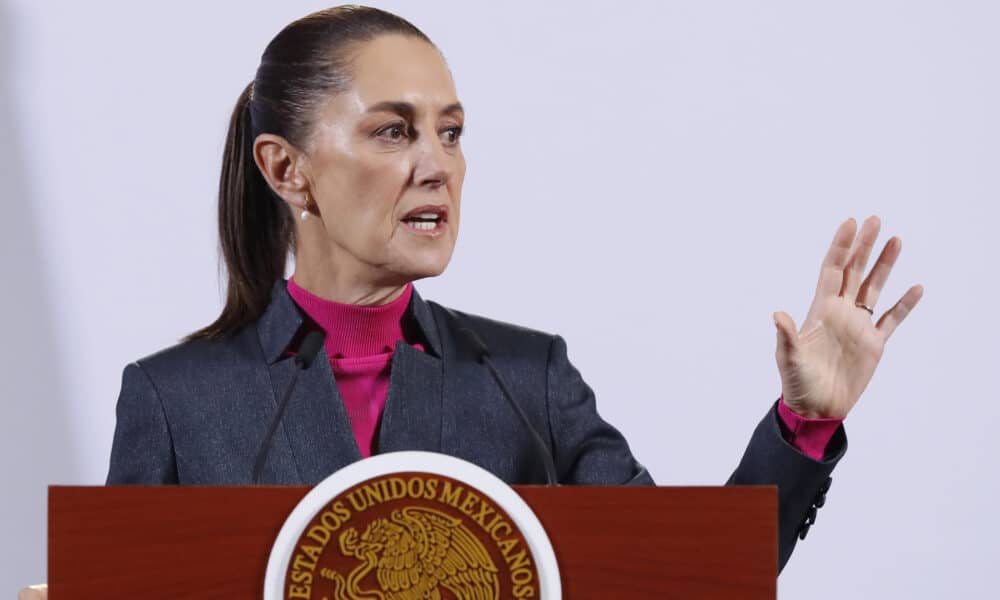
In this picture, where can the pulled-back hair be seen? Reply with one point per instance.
(302, 67)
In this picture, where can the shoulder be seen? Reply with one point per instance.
(202, 356)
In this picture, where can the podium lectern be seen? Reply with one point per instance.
(610, 542)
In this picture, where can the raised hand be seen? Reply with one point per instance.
(826, 365)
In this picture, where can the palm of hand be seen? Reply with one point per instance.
(826, 365)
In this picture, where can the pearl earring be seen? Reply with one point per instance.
(305, 210)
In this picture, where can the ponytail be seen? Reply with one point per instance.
(302, 67)
(256, 229)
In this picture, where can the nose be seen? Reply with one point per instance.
(433, 166)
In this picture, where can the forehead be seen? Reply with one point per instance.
(401, 68)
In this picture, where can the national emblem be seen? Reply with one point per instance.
(416, 552)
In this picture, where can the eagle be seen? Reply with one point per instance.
(416, 553)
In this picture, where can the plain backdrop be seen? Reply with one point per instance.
(649, 179)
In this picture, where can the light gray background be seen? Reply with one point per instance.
(650, 180)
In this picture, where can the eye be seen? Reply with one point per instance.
(450, 135)
(394, 132)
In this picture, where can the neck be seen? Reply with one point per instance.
(346, 285)
(332, 273)
(344, 293)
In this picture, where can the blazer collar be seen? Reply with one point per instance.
(282, 321)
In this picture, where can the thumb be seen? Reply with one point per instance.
(788, 337)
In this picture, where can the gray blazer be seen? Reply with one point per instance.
(196, 412)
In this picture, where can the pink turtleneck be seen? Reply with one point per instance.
(360, 341)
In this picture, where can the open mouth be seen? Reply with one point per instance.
(427, 219)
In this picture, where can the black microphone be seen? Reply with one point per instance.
(308, 350)
(484, 358)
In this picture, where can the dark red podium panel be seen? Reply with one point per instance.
(611, 542)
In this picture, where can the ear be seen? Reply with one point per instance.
(282, 164)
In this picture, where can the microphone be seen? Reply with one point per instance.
(308, 350)
(484, 358)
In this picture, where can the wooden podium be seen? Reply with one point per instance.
(610, 542)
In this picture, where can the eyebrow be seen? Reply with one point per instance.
(408, 110)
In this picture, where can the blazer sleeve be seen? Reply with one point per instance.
(142, 451)
(802, 481)
(587, 450)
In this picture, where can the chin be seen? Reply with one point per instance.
(420, 265)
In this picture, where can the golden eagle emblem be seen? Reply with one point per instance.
(416, 553)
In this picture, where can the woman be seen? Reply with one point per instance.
(345, 151)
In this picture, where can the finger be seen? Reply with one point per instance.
(895, 315)
(831, 274)
(34, 592)
(859, 257)
(871, 289)
(788, 337)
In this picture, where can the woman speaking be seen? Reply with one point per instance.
(345, 152)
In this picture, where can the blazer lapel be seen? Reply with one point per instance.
(412, 416)
(315, 423)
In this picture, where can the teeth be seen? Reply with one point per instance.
(425, 216)
(425, 225)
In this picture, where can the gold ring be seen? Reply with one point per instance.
(866, 307)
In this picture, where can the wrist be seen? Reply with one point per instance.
(804, 414)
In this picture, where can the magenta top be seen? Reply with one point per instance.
(360, 341)
(810, 436)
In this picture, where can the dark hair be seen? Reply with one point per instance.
(305, 64)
